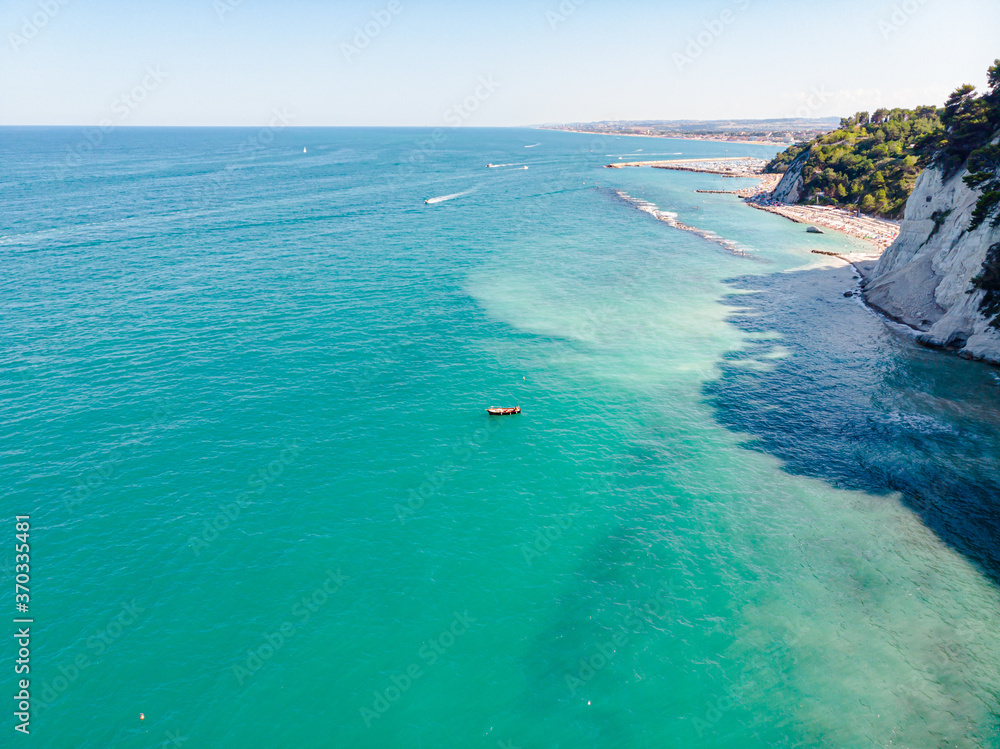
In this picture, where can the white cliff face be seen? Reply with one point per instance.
(924, 278)
(790, 188)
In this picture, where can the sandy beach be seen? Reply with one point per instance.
(878, 231)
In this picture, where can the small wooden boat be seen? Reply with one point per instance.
(503, 411)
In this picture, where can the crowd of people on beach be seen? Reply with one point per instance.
(880, 232)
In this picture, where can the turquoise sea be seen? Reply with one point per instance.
(243, 379)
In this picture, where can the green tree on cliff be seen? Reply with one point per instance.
(872, 160)
(976, 132)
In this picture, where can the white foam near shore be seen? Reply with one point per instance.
(670, 219)
(878, 231)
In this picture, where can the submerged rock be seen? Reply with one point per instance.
(814, 230)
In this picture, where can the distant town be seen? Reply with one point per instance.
(776, 132)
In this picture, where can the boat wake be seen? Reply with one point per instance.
(671, 220)
(533, 145)
(445, 198)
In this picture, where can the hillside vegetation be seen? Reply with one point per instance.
(872, 161)
(972, 123)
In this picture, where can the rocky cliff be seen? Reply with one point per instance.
(790, 188)
(931, 277)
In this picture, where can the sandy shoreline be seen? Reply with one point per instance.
(671, 137)
(877, 231)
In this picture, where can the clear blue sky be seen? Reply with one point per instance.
(233, 62)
